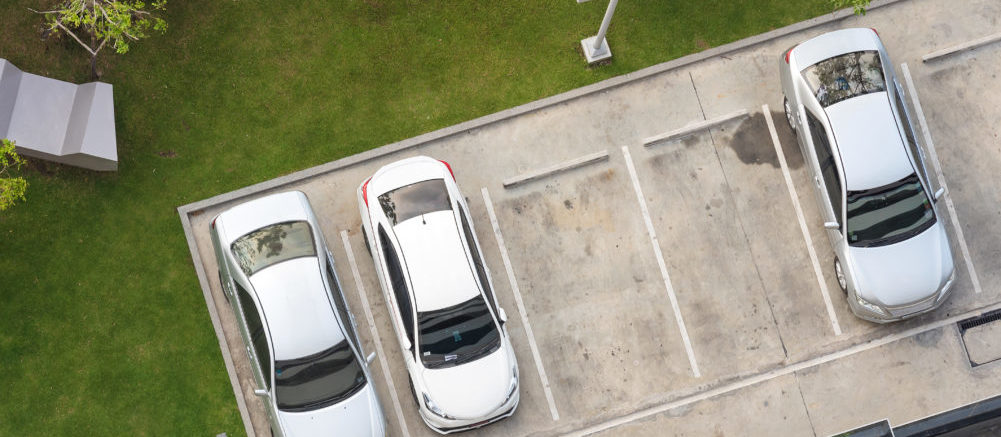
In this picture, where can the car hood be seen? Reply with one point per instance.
(359, 415)
(903, 272)
(471, 390)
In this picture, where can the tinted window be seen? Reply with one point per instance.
(273, 244)
(457, 334)
(318, 380)
(398, 282)
(257, 335)
(888, 214)
(340, 305)
(413, 200)
(828, 169)
(843, 77)
(481, 272)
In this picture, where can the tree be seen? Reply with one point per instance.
(119, 22)
(858, 5)
(11, 188)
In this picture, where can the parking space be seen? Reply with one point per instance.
(636, 312)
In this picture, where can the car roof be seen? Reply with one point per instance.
(258, 213)
(436, 261)
(832, 44)
(871, 148)
(295, 304)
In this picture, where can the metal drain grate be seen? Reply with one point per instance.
(982, 319)
(980, 338)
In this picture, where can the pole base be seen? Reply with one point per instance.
(594, 56)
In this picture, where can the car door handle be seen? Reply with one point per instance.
(816, 180)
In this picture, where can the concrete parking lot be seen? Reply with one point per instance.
(685, 287)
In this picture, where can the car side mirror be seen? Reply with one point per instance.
(832, 225)
(370, 358)
(261, 392)
(939, 193)
(502, 314)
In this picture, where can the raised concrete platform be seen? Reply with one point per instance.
(58, 121)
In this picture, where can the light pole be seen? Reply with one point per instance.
(596, 47)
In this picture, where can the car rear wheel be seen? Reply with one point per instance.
(839, 272)
(788, 111)
(223, 285)
(364, 236)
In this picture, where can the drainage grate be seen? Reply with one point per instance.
(980, 337)
(982, 319)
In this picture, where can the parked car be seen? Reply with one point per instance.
(892, 254)
(463, 372)
(279, 277)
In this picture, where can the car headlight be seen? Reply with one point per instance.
(434, 407)
(948, 283)
(514, 384)
(871, 307)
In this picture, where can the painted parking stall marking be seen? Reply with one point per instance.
(521, 304)
(930, 145)
(802, 222)
(660, 262)
(375, 333)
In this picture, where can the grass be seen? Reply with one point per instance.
(103, 328)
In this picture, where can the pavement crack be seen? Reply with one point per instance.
(806, 407)
(701, 109)
(750, 248)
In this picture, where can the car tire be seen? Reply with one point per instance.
(414, 393)
(786, 108)
(364, 236)
(223, 285)
(839, 274)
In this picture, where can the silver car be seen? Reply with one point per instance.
(304, 351)
(842, 98)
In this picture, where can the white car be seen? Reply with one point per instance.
(300, 336)
(892, 254)
(463, 371)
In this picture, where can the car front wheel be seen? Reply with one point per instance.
(839, 272)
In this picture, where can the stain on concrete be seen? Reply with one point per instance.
(929, 339)
(568, 204)
(753, 143)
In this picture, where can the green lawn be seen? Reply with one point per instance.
(103, 328)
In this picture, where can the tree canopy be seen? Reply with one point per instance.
(12, 188)
(96, 23)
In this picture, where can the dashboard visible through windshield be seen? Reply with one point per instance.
(318, 380)
(457, 334)
(888, 214)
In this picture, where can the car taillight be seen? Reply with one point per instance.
(364, 191)
(875, 31)
(449, 168)
(787, 54)
(213, 222)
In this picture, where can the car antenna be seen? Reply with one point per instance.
(422, 219)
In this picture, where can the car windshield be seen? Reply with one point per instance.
(318, 380)
(888, 214)
(843, 77)
(457, 334)
(413, 200)
(273, 244)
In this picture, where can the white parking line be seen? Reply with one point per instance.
(521, 305)
(775, 373)
(660, 262)
(941, 178)
(802, 222)
(375, 334)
